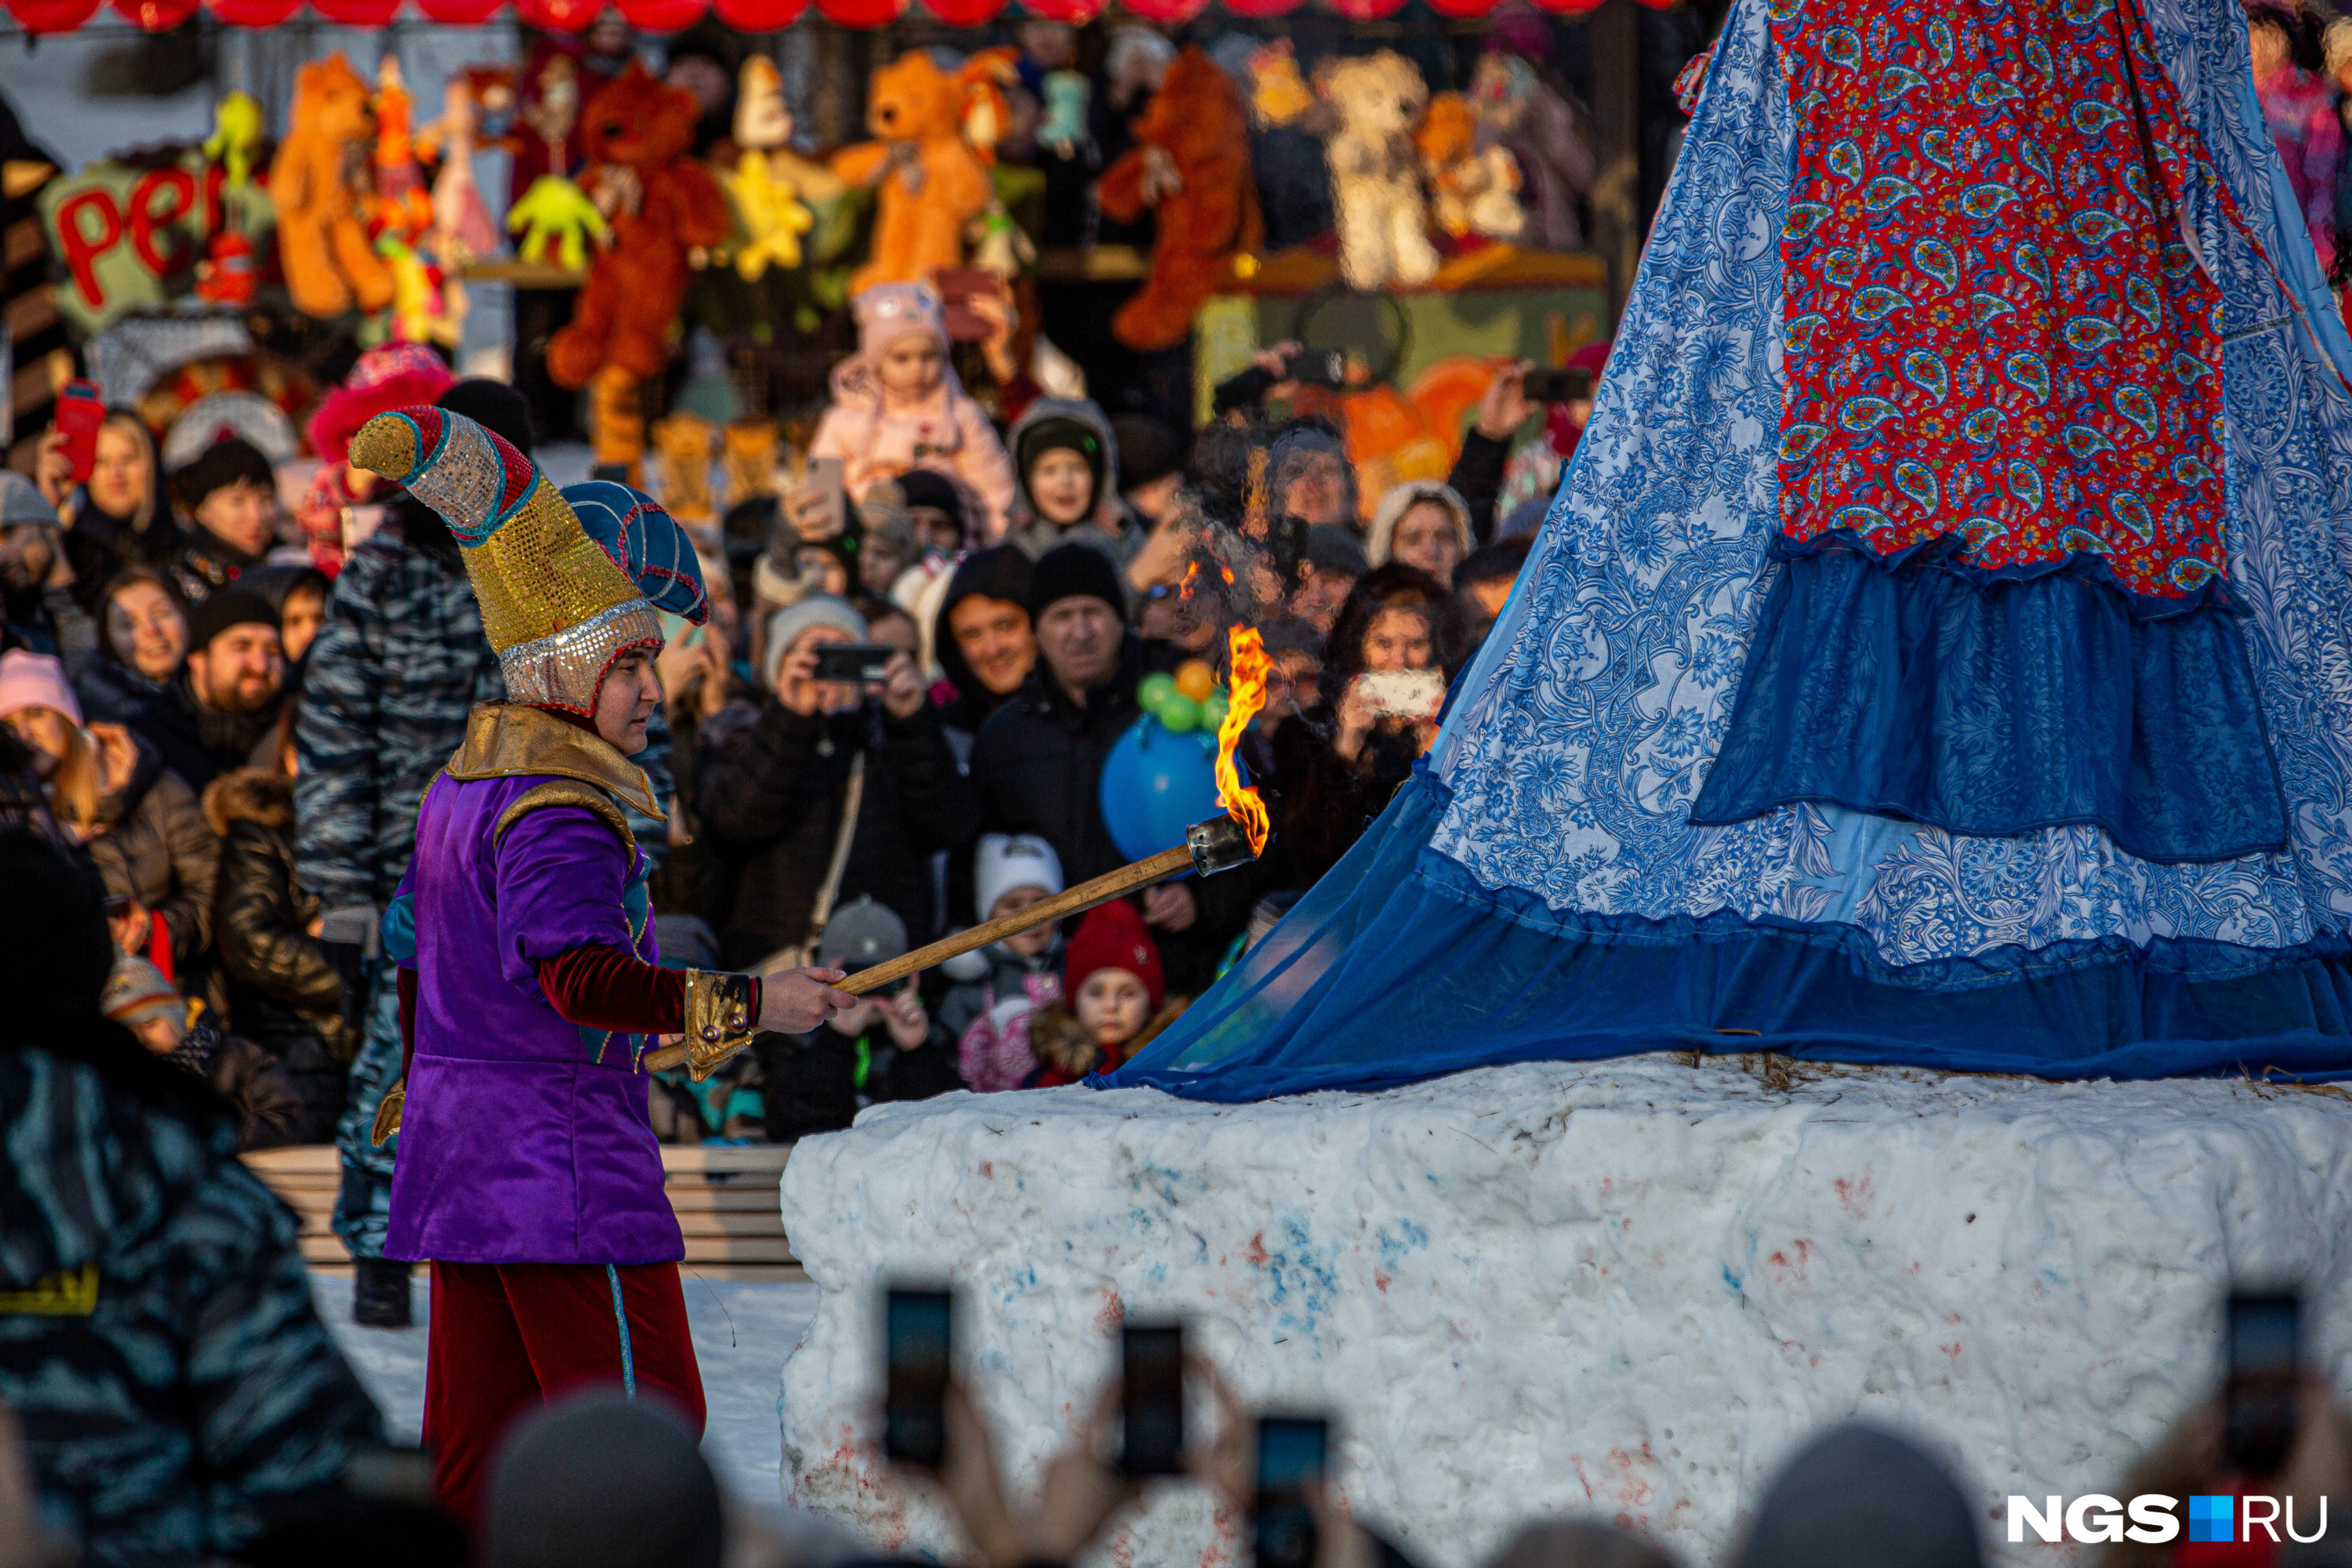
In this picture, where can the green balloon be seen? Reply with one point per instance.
(1213, 711)
(1179, 714)
(1154, 690)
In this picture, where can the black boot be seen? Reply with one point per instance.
(380, 1294)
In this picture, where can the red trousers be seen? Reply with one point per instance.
(508, 1337)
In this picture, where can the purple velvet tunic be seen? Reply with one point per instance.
(524, 1138)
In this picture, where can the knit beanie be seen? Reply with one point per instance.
(34, 680)
(1148, 449)
(494, 405)
(136, 993)
(928, 487)
(816, 610)
(222, 464)
(1008, 860)
(888, 309)
(1072, 571)
(602, 1481)
(1112, 937)
(231, 606)
(21, 501)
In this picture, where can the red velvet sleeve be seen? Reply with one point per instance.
(604, 989)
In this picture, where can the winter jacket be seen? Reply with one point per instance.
(1321, 804)
(283, 994)
(114, 693)
(1037, 761)
(989, 1018)
(269, 1110)
(49, 621)
(1477, 479)
(157, 1337)
(952, 436)
(210, 564)
(394, 670)
(197, 743)
(769, 794)
(818, 1082)
(158, 848)
(1064, 1050)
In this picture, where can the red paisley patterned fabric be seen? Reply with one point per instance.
(1997, 335)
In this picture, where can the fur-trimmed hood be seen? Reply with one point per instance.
(249, 794)
(1062, 1044)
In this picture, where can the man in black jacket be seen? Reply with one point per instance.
(208, 720)
(771, 790)
(1038, 763)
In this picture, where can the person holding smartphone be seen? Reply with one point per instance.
(847, 750)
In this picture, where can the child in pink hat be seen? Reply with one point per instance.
(897, 405)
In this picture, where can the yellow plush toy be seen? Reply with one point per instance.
(770, 213)
(555, 212)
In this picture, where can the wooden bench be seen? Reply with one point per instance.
(725, 1200)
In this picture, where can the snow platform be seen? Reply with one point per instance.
(1628, 1287)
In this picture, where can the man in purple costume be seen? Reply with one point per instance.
(527, 1173)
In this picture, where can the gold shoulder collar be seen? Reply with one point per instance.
(505, 739)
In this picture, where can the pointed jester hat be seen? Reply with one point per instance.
(568, 580)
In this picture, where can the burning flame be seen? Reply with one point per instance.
(1247, 695)
(1184, 589)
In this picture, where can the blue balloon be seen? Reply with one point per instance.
(1155, 784)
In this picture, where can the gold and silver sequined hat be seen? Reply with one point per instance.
(568, 580)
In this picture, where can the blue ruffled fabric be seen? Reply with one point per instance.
(1993, 708)
(1499, 977)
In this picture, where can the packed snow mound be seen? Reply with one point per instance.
(1629, 1287)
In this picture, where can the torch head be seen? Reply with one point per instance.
(1218, 845)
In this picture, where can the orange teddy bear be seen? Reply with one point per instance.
(321, 244)
(932, 182)
(1190, 163)
(641, 129)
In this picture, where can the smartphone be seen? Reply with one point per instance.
(855, 663)
(1572, 384)
(1319, 367)
(1290, 1454)
(2260, 1394)
(79, 414)
(1404, 693)
(1151, 1400)
(915, 1337)
(826, 474)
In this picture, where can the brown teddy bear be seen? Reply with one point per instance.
(1376, 170)
(640, 130)
(1472, 189)
(932, 182)
(321, 244)
(1191, 162)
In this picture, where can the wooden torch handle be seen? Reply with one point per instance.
(1073, 901)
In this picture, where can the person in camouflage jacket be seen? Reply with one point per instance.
(177, 1389)
(399, 663)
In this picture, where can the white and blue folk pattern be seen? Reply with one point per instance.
(1588, 723)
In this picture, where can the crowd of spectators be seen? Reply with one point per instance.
(232, 708)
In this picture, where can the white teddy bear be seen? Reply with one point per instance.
(1376, 170)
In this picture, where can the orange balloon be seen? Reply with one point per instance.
(1195, 680)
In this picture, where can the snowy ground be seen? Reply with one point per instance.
(1630, 1287)
(742, 1332)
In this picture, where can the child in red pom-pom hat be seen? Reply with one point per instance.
(1114, 1000)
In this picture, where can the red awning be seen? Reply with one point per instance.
(669, 15)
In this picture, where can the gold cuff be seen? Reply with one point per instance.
(718, 1021)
